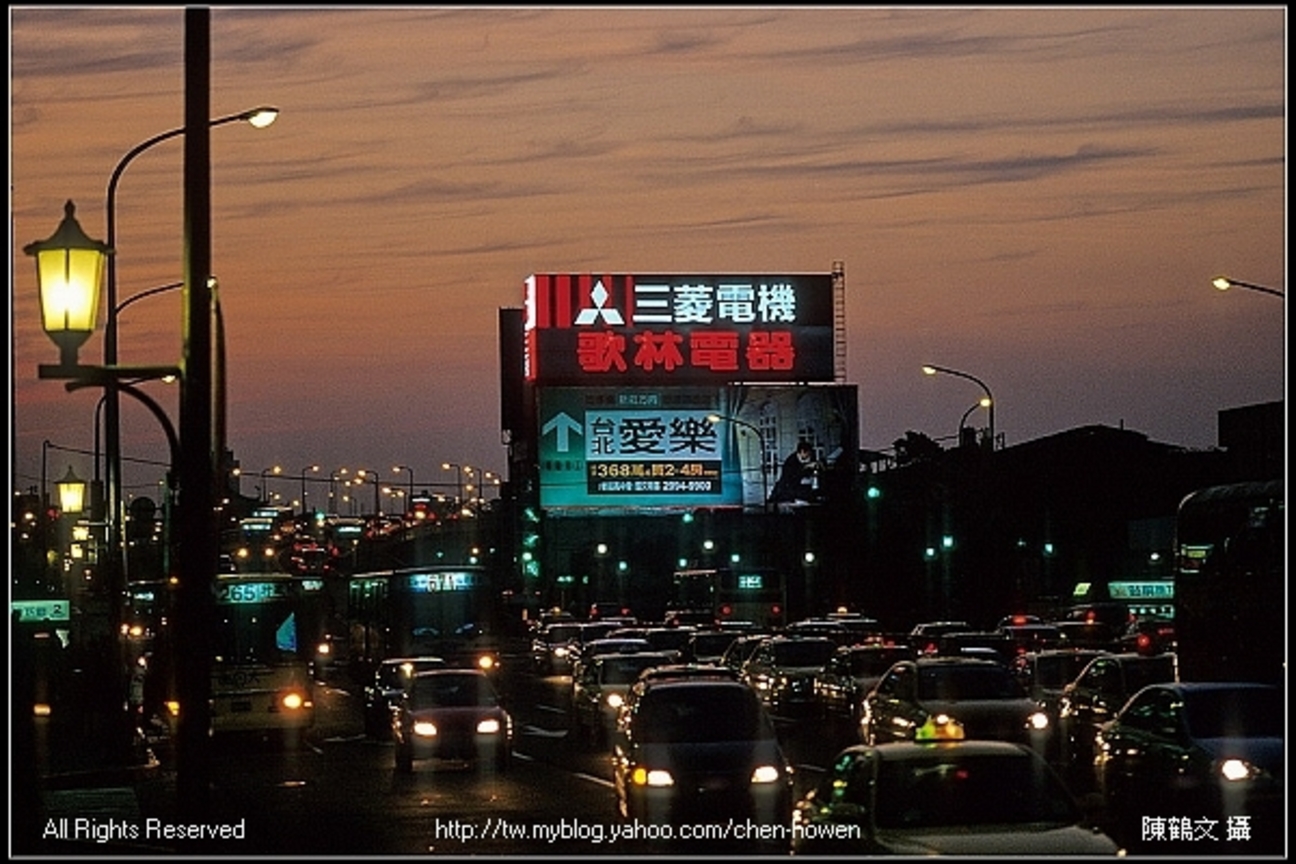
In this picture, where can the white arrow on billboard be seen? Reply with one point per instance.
(564, 425)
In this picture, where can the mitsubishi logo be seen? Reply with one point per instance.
(599, 295)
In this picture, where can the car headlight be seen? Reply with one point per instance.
(614, 700)
(486, 662)
(489, 726)
(1038, 721)
(765, 774)
(560, 652)
(1234, 770)
(425, 728)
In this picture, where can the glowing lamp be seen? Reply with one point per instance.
(69, 272)
(71, 493)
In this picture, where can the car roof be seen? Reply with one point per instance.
(422, 658)
(904, 750)
(953, 660)
(448, 673)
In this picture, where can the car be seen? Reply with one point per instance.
(1100, 690)
(600, 686)
(850, 673)
(451, 714)
(1087, 634)
(741, 648)
(782, 671)
(981, 695)
(385, 688)
(578, 654)
(551, 647)
(1149, 636)
(1032, 637)
(1045, 674)
(833, 629)
(707, 646)
(943, 795)
(974, 643)
(1211, 750)
(698, 750)
(923, 636)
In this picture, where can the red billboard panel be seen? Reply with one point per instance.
(634, 330)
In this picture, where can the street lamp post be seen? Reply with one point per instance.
(983, 402)
(446, 466)
(760, 437)
(1224, 283)
(396, 469)
(364, 474)
(259, 118)
(265, 492)
(302, 474)
(990, 408)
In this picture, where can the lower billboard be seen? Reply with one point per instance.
(753, 446)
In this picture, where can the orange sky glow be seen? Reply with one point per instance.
(1038, 197)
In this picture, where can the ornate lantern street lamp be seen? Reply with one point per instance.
(69, 270)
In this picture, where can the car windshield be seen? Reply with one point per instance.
(394, 675)
(450, 691)
(1153, 670)
(1058, 670)
(700, 715)
(874, 662)
(1251, 712)
(964, 790)
(951, 683)
(625, 670)
(563, 633)
(811, 652)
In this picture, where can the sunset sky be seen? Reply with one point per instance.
(1036, 197)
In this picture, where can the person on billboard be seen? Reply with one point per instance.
(798, 482)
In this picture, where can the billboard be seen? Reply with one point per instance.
(628, 449)
(649, 330)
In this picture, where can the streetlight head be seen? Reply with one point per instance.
(929, 370)
(261, 117)
(69, 273)
(714, 418)
(985, 402)
(1222, 283)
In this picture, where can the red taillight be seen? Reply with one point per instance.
(726, 610)
(1144, 641)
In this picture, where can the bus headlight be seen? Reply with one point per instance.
(293, 701)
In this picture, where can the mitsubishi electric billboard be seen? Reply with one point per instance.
(652, 330)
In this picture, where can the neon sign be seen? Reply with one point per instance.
(624, 329)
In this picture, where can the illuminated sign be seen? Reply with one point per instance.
(683, 447)
(619, 329)
(41, 610)
(250, 592)
(442, 581)
(1140, 590)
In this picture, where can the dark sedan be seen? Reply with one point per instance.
(387, 686)
(980, 695)
(1212, 751)
(699, 750)
(452, 714)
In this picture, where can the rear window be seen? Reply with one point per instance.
(700, 714)
(950, 683)
(807, 653)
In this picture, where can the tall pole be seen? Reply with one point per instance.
(990, 409)
(198, 541)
